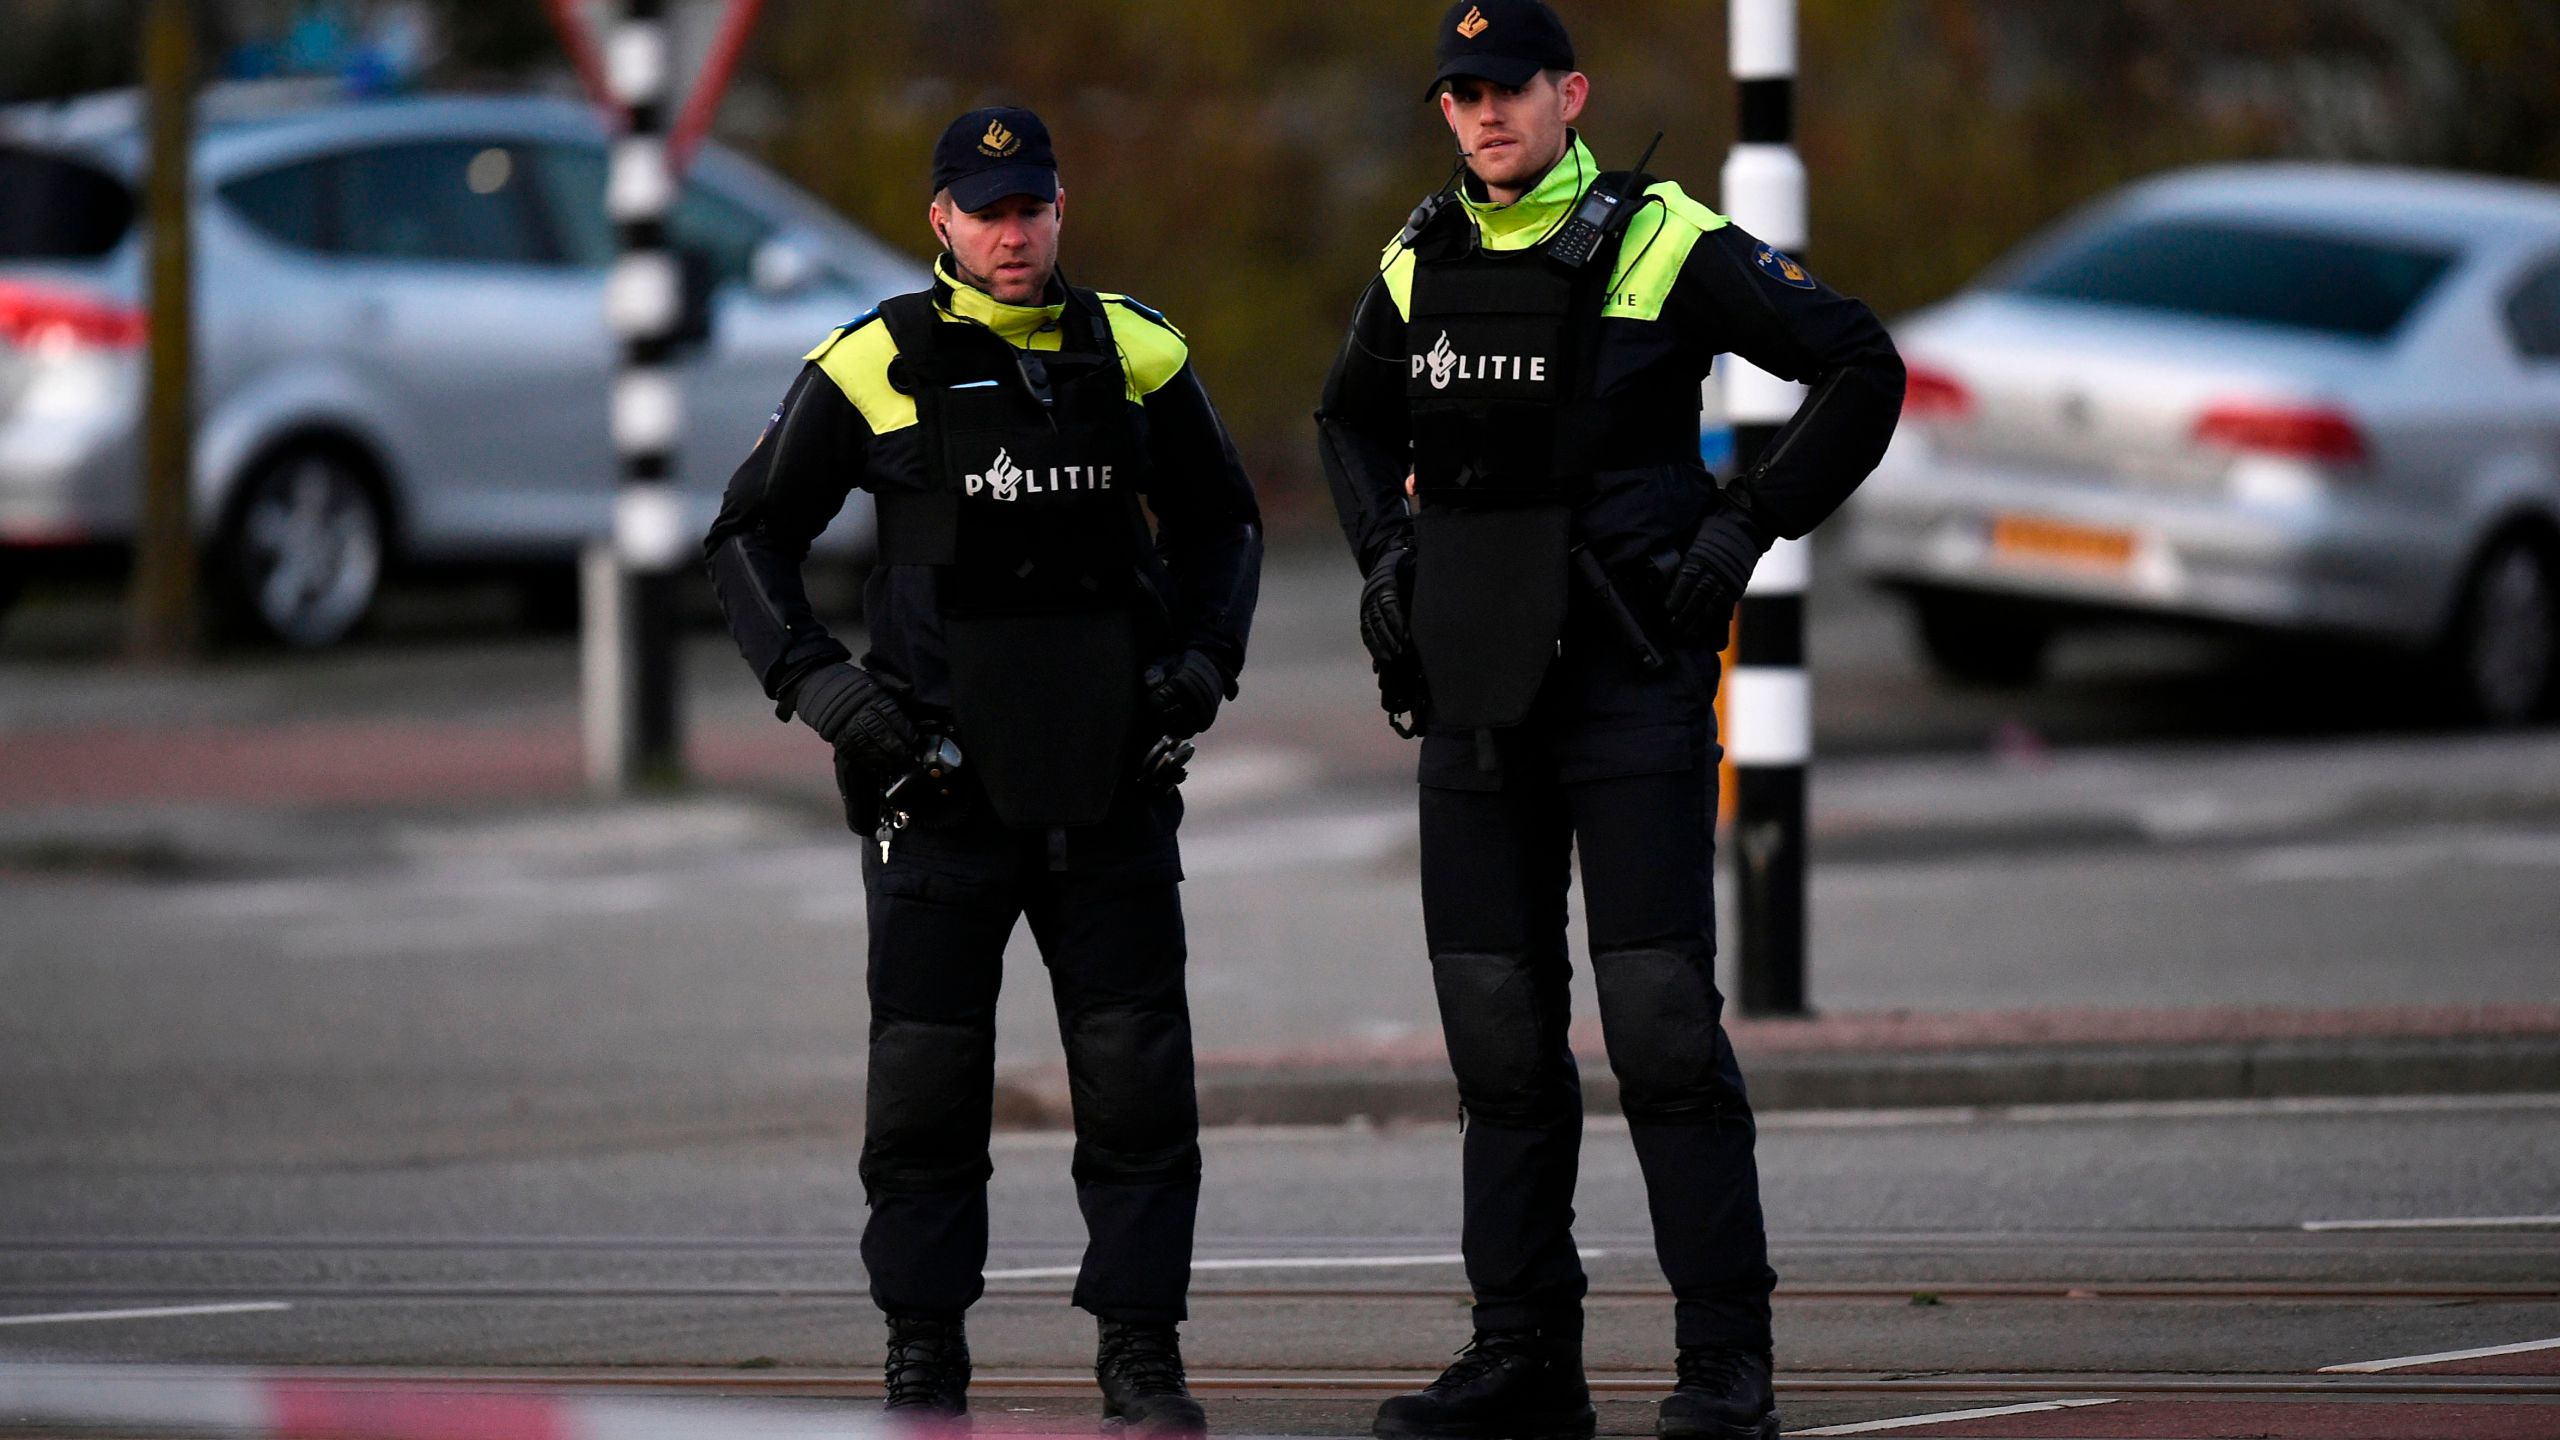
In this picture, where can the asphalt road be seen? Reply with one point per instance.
(557, 1088)
(2044, 1247)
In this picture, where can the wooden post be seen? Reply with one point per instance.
(162, 600)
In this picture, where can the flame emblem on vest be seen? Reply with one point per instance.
(998, 141)
(1002, 478)
(1443, 362)
(1475, 24)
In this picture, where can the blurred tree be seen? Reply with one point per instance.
(1239, 163)
(66, 47)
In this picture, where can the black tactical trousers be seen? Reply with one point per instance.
(1109, 927)
(1619, 768)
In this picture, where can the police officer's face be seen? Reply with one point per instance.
(1009, 250)
(1511, 135)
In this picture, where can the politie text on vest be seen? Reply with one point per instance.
(1446, 364)
(1005, 480)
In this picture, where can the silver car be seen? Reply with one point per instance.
(402, 346)
(2309, 400)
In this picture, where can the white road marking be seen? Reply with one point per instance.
(1945, 1417)
(2449, 1222)
(2111, 1110)
(1275, 1262)
(156, 1312)
(2375, 1367)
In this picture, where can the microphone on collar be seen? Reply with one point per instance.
(1431, 206)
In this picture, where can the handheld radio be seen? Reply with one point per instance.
(1601, 214)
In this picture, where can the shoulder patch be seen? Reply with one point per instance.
(1774, 263)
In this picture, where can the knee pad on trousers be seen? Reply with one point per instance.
(1500, 1046)
(1660, 1014)
(1136, 1117)
(929, 1103)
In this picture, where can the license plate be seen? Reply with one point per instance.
(2058, 542)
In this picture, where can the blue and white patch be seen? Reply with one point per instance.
(1774, 264)
(858, 321)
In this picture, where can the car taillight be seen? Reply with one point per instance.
(2298, 432)
(1932, 394)
(32, 317)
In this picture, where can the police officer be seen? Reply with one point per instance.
(1007, 425)
(1550, 600)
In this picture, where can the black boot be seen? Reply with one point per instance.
(1143, 1393)
(1722, 1395)
(927, 1375)
(1506, 1385)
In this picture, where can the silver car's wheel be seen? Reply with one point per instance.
(302, 558)
(2505, 650)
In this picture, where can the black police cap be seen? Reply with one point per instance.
(1505, 41)
(988, 154)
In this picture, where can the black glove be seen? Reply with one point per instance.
(1383, 626)
(858, 716)
(1183, 692)
(1713, 573)
(1401, 695)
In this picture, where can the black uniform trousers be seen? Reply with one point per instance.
(1619, 767)
(1103, 904)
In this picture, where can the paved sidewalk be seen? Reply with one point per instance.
(145, 790)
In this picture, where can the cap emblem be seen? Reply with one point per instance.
(1474, 24)
(998, 141)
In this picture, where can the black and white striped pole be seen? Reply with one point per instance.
(1769, 698)
(634, 727)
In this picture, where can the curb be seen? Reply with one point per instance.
(1992, 1076)
(207, 838)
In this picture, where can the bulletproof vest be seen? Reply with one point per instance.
(1507, 432)
(1031, 521)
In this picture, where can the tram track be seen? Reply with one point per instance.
(1903, 1292)
(1265, 1384)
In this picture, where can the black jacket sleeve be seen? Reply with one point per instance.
(1208, 525)
(785, 492)
(1799, 330)
(1363, 431)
